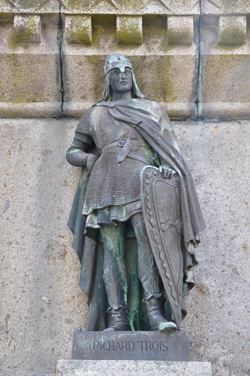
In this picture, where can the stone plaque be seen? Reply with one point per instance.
(153, 345)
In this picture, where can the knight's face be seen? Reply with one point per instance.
(121, 82)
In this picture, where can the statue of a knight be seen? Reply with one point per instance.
(134, 185)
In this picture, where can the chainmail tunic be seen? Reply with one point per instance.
(112, 183)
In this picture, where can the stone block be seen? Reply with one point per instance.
(27, 29)
(130, 367)
(30, 72)
(232, 29)
(224, 73)
(180, 30)
(25, 78)
(131, 346)
(129, 30)
(78, 29)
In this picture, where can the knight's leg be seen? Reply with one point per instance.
(114, 274)
(150, 278)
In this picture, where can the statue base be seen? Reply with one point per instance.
(160, 346)
(131, 367)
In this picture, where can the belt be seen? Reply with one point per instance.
(126, 145)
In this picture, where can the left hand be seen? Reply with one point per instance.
(167, 173)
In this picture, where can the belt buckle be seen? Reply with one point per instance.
(122, 141)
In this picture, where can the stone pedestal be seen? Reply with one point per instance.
(154, 346)
(131, 367)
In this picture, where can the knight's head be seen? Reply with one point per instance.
(115, 66)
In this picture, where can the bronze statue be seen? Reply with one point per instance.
(136, 217)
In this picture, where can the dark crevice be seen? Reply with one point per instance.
(198, 71)
(60, 41)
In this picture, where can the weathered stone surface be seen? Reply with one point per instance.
(78, 29)
(129, 30)
(21, 79)
(218, 154)
(36, 81)
(201, 67)
(232, 30)
(30, 72)
(128, 7)
(29, 6)
(131, 346)
(180, 30)
(130, 367)
(27, 29)
(224, 73)
(225, 7)
(41, 302)
(30, 109)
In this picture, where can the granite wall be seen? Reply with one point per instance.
(41, 302)
(191, 56)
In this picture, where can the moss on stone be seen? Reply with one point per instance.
(25, 31)
(81, 29)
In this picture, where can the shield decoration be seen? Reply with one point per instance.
(161, 212)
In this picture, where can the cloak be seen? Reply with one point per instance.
(147, 120)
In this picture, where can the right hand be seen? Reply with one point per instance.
(91, 159)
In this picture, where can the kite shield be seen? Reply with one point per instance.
(161, 212)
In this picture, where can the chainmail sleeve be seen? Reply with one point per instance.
(84, 128)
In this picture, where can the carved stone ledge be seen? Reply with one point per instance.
(129, 29)
(78, 29)
(180, 30)
(232, 30)
(27, 29)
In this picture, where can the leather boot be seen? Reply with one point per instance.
(119, 319)
(155, 305)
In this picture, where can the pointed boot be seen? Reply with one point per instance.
(119, 319)
(155, 306)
